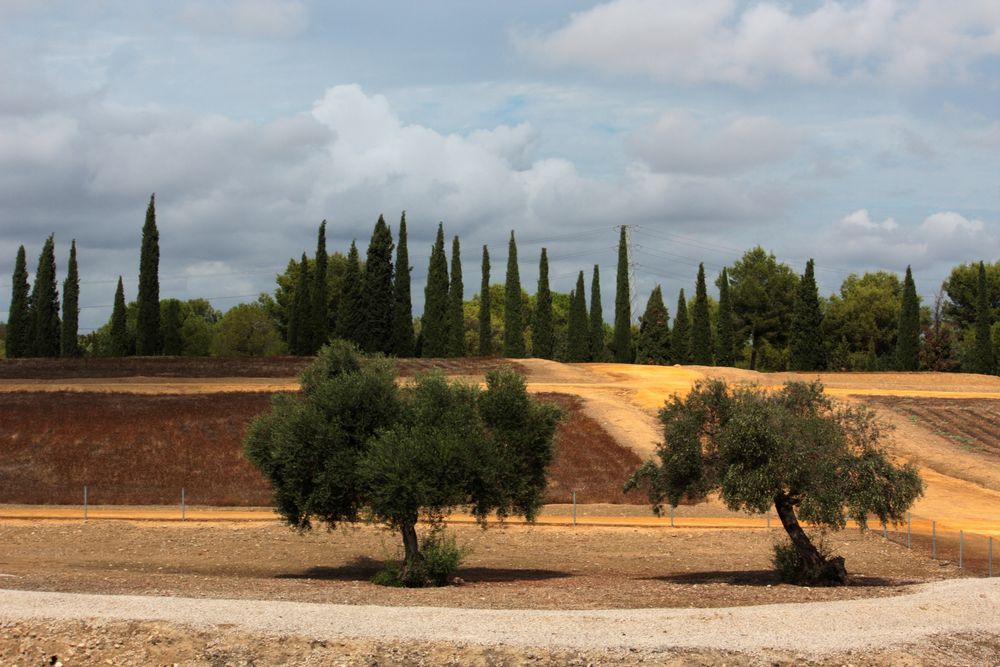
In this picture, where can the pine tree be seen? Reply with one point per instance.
(983, 352)
(806, 338)
(701, 327)
(69, 345)
(350, 314)
(653, 343)
(20, 316)
(513, 331)
(724, 344)
(170, 320)
(319, 314)
(147, 332)
(908, 334)
(623, 317)
(542, 334)
(377, 290)
(456, 299)
(45, 304)
(596, 331)
(118, 344)
(680, 340)
(402, 305)
(434, 324)
(300, 322)
(485, 322)
(577, 335)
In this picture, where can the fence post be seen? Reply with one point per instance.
(183, 508)
(769, 518)
(961, 548)
(908, 522)
(574, 508)
(671, 516)
(934, 540)
(84, 502)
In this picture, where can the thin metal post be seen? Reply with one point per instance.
(769, 518)
(908, 522)
(183, 508)
(961, 548)
(671, 516)
(84, 502)
(934, 540)
(574, 508)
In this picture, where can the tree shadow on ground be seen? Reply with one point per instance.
(500, 575)
(364, 568)
(764, 578)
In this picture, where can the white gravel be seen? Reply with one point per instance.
(945, 607)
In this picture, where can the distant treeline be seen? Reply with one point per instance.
(766, 317)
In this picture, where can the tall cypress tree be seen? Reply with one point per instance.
(701, 327)
(300, 322)
(377, 305)
(118, 344)
(434, 323)
(513, 331)
(170, 321)
(908, 334)
(19, 318)
(350, 313)
(806, 338)
(402, 305)
(147, 332)
(653, 343)
(542, 335)
(680, 340)
(485, 322)
(596, 330)
(577, 334)
(725, 354)
(623, 316)
(45, 304)
(456, 299)
(69, 345)
(983, 361)
(319, 314)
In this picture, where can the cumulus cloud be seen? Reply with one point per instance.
(862, 219)
(748, 43)
(676, 142)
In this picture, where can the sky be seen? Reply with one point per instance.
(863, 134)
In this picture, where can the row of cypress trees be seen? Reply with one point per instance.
(34, 326)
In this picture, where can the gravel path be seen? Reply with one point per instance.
(945, 607)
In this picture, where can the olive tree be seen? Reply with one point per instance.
(354, 445)
(791, 449)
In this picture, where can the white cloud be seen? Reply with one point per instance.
(677, 143)
(862, 219)
(746, 44)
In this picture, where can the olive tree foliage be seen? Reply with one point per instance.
(791, 449)
(356, 446)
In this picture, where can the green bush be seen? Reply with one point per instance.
(441, 557)
(788, 563)
(390, 575)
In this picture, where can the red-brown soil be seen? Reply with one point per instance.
(973, 425)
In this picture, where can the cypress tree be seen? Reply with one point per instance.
(456, 298)
(701, 327)
(623, 316)
(118, 344)
(680, 340)
(983, 353)
(596, 330)
(577, 335)
(653, 343)
(485, 322)
(300, 323)
(170, 318)
(542, 335)
(377, 289)
(434, 324)
(45, 304)
(402, 305)
(147, 332)
(319, 314)
(68, 343)
(724, 344)
(908, 334)
(806, 339)
(513, 331)
(19, 318)
(350, 314)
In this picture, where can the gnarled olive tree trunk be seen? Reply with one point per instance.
(815, 568)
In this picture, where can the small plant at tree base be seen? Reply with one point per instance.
(791, 568)
(440, 555)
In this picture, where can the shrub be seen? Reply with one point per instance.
(441, 557)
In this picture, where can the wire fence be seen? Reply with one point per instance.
(943, 541)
